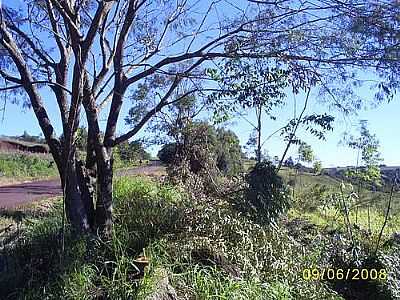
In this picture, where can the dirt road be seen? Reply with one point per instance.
(24, 193)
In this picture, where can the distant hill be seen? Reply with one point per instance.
(388, 172)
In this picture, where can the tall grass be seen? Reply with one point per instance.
(160, 223)
(22, 165)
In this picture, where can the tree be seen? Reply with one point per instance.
(201, 144)
(305, 153)
(229, 152)
(317, 167)
(97, 54)
(130, 152)
(266, 195)
(367, 146)
(254, 86)
(260, 87)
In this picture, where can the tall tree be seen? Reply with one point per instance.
(368, 158)
(92, 55)
(254, 86)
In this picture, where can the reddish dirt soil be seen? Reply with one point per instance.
(19, 194)
(25, 193)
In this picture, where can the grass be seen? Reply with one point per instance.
(21, 166)
(196, 248)
(159, 222)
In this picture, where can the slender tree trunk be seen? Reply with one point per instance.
(259, 113)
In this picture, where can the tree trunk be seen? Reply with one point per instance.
(78, 194)
(86, 184)
(78, 202)
(104, 192)
(259, 133)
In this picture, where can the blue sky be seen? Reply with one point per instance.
(383, 121)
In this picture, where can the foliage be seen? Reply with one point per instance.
(367, 145)
(266, 196)
(18, 165)
(317, 167)
(313, 198)
(131, 152)
(160, 222)
(305, 153)
(165, 56)
(168, 153)
(247, 84)
(81, 137)
(201, 144)
(316, 124)
(169, 231)
(228, 151)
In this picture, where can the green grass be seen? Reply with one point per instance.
(18, 165)
(194, 244)
(377, 200)
(160, 222)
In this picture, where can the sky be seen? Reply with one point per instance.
(384, 121)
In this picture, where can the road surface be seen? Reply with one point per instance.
(24, 193)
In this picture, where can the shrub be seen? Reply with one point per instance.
(26, 165)
(167, 153)
(266, 194)
(313, 197)
(205, 147)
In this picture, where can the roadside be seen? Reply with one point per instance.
(20, 167)
(19, 194)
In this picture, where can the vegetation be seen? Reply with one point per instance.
(317, 167)
(210, 229)
(129, 154)
(266, 195)
(367, 169)
(101, 52)
(201, 144)
(26, 166)
(159, 226)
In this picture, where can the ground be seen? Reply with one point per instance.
(166, 243)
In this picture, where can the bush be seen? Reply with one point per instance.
(313, 197)
(167, 153)
(266, 194)
(205, 147)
